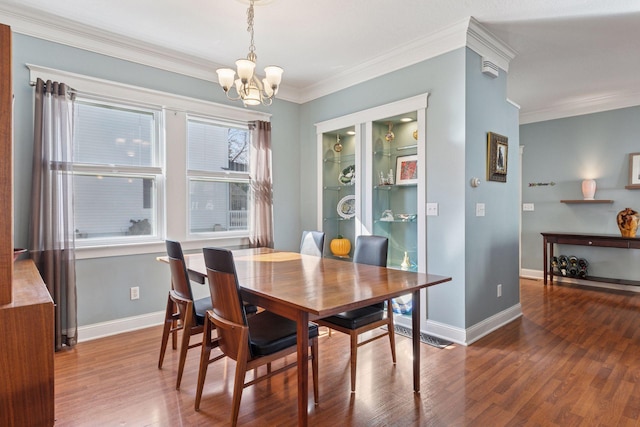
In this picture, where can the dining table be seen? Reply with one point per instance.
(305, 287)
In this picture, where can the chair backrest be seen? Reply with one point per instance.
(371, 250)
(225, 296)
(312, 243)
(179, 275)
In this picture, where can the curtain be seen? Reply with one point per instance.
(51, 237)
(261, 210)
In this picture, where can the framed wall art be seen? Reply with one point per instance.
(634, 171)
(497, 154)
(407, 170)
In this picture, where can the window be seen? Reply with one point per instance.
(151, 165)
(218, 175)
(117, 172)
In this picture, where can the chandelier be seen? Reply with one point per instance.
(248, 86)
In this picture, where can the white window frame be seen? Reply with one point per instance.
(123, 171)
(176, 108)
(218, 176)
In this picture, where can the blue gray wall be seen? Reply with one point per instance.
(456, 147)
(463, 106)
(566, 151)
(103, 284)
(492, 240)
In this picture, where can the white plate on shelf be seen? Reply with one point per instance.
(347, 207)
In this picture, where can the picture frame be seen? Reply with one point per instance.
(497, 155)
(407, 170)
(634, 171)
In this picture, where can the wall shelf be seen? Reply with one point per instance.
(586, 201)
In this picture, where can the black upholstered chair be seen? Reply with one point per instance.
(182, 312)
(369, 250)
(250, 341)
(312, 243)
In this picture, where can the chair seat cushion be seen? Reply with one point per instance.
(201, 306)
(356, 318)
(270, 333)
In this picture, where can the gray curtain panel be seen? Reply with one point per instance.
(261, 214)
(51, 239)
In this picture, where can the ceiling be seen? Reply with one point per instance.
(571, 56)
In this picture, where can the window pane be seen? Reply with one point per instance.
(216, 148)
(117, 136)
(111, 206)
(218, 206)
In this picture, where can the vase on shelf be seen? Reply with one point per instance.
(628, 222)
(406, 262)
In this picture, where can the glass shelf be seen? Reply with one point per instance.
(338, 188)
(388, 187)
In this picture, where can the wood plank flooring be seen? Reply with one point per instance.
(571, 360)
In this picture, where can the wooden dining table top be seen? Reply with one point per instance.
(318, 286)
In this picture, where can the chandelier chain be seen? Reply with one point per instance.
(250, 16)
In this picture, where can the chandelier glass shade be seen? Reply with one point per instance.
(249, 88)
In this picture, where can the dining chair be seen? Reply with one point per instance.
(252, 341)
(182, 312)
(369, 250)
(312, 243)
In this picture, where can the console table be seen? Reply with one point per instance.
(599, 240)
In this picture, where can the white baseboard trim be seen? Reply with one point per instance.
(537, 274)
(118, 326)
(446, 332)
(475, 332)
(531, 274)
(485, 327)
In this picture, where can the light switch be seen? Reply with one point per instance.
(432, 209)
(527, 207)
(479, 209)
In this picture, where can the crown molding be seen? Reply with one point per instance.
(485, 44)
(446, 40)
(583, 106)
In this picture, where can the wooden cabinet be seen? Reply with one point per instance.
(26, 353)
(26, 308)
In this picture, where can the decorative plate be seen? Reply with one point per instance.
(348, 175)
(347, 207)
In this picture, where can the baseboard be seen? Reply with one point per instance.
(446, 332)
(479, 330)
(118, 326)
(537, 274)
(531, 274)
(475, 332)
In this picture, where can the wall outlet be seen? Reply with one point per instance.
(432, 209)
(479, 209)
(527, 207)
(134, 292)
(499, 291)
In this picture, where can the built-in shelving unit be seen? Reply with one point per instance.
(382, 207)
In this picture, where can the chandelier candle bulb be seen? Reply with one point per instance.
(588, 189)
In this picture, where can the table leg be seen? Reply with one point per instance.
(303, 366)
(415, 332)
(544, 259)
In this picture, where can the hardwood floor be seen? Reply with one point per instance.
(572, 359)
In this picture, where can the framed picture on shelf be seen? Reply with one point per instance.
(407, 170)
(634, 170)
(497, 154)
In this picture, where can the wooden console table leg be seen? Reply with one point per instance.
(544, 259)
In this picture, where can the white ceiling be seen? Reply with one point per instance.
(572, 56)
